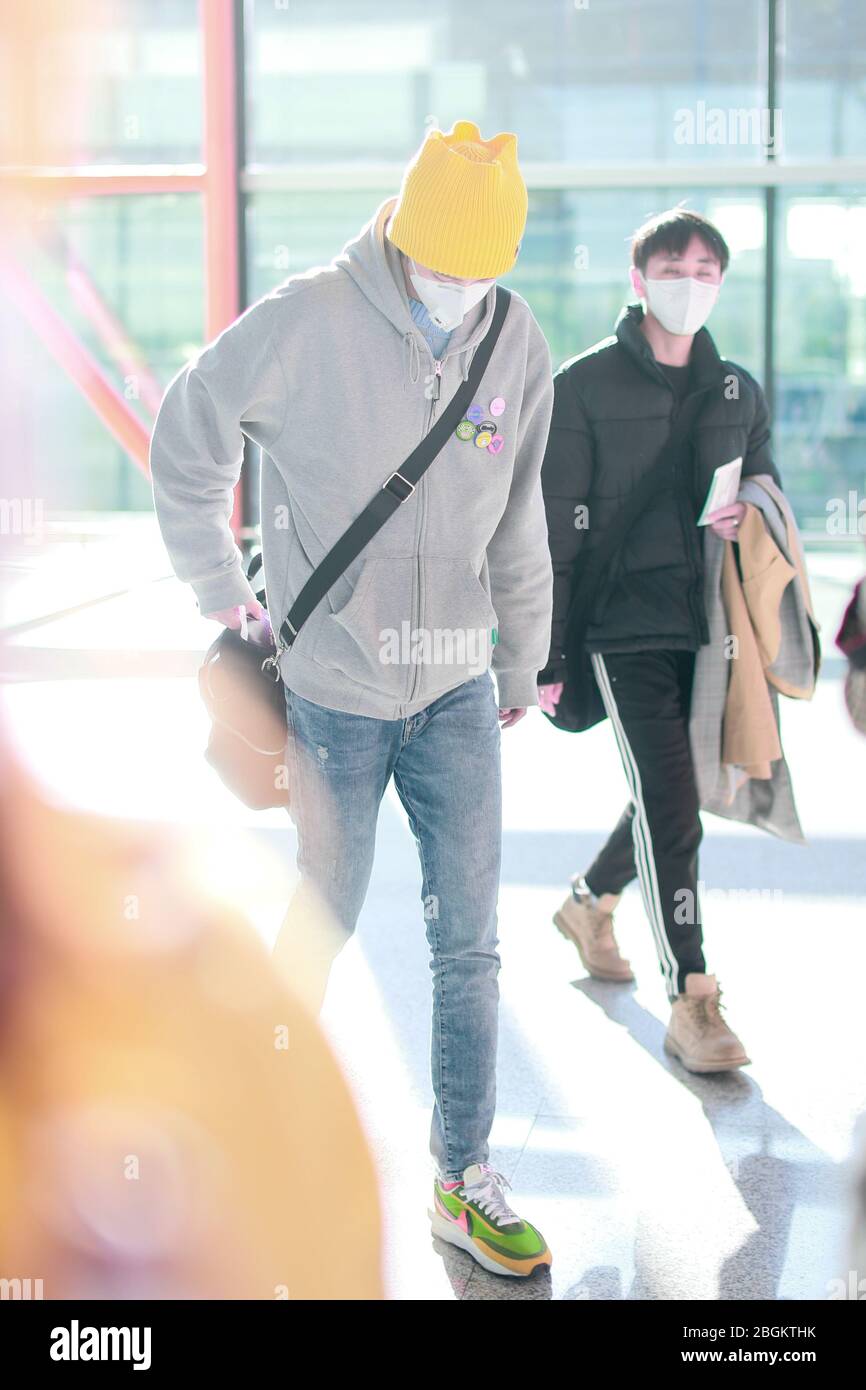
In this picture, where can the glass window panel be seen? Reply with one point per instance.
(125, 274)
(823, 79)
(111, 83)
(71, 460)
(343, 80)
(289, 232)
(820, 348)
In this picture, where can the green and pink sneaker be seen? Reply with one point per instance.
(475, 1215)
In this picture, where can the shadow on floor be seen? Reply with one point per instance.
(772, 1187)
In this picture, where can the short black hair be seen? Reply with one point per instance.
(672, 231)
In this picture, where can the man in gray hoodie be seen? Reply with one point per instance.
(337, 375)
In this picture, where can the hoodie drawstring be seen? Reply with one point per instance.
(414, 373)
(414, 357)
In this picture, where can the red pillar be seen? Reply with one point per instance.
(222, 284)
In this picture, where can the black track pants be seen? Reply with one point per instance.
(647, 695)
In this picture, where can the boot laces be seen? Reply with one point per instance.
(709, 1008)
(603, 925)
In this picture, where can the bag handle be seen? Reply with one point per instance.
(395, 490)
(584, 590)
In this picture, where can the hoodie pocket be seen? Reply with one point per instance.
(458, 626)
(358, 639)
(411, 629)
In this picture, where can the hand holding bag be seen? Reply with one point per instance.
(247, 744)
(240, 681)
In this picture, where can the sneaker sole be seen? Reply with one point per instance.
(563, 929)
(447, 1231)
(704, 1067)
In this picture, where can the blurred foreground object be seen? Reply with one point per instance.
(172, 1123)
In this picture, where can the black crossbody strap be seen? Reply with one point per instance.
(398, 487)
(659, 472)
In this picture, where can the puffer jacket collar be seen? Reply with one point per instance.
(707, 366)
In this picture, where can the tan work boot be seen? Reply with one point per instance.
(588, 923)
(698, 1035)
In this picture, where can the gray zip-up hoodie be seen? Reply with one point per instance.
(331, 377)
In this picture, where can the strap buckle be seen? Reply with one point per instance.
(396, 491)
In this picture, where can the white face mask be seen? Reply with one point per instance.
(448, 304)
(682, 305)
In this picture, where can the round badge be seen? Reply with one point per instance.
(488, 425)
(475, 414)
(495, 444)
(482, 439)
(465, 430)
(497, 405)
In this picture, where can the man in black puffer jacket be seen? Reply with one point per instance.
(614, 407)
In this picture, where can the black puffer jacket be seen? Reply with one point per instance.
(613, 408)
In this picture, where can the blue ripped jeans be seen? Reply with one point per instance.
(445, 762)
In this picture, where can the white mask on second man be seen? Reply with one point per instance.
(682, 305)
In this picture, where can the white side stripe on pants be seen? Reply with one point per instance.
(644, 857)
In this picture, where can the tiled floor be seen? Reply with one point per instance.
(649, 1183)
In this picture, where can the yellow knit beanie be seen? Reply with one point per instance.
(462, 204)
